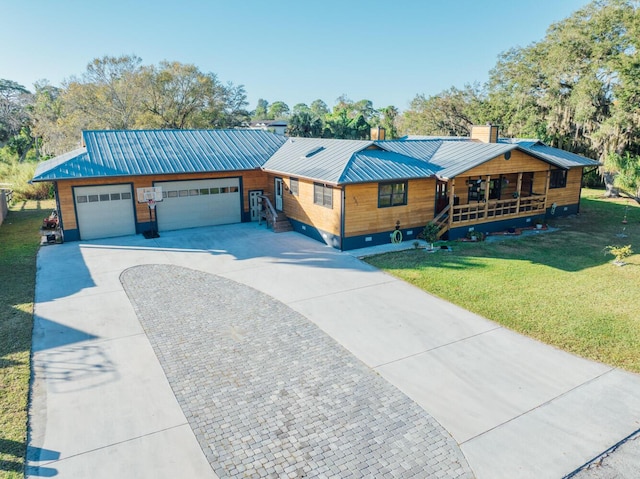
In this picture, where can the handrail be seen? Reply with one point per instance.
(440, 215)
(270, 211)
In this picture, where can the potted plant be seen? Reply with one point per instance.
(473, 235)
(539, 223)
(430, 233)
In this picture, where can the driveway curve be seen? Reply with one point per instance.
(268, 394)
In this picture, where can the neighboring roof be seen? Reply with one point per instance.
(149, 152)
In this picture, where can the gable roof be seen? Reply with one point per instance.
(456, 157)
(318, 159)
(152, 152)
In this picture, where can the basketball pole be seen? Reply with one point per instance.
(153, 233)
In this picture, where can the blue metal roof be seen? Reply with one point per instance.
(318, 159)
(149, 152)
(380, 165)
(556, 156)
(68, 165)
(456, 157)
(157, 152)
(421, 149)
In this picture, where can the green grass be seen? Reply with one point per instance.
(558, 287)
(19, 241)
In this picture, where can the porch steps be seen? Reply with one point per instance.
(281, 223)
(442, 220)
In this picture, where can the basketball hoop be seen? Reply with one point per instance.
(150, 196)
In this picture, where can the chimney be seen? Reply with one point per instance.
(377, 133)
(485, 133)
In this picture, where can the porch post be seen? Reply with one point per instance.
(487, 191)
(451, 202)
(546, 188)
(519, 193)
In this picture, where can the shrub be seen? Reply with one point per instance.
(619, 252)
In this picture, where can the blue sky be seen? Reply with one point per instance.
(293, 51)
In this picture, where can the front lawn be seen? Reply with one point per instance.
(559, 287)
(19, 241)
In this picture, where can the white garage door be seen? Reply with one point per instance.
(104, 211)
(189, 204)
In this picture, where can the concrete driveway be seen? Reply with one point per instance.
(102, 404)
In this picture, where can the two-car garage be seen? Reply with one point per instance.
(109, 210)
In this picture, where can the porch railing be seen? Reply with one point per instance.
(493, 209)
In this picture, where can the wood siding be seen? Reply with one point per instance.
(251, 180)
(362, 215)
(303, 209)
(518, 162)
(569, 195)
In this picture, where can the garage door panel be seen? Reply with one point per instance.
(191, 204)
(104, 211)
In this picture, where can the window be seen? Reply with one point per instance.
(392, 194)
(125, 196)
(81, 199)
(294, 186)
(104, 197)
(476, 190)
(115, 196)
(558, 179)
(323, 195)
(194, 192)
(204, 191)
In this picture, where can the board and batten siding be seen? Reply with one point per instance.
(251, 180)
(362, 215)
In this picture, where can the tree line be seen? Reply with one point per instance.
(117, 93)
(346, 120)
(577, 89)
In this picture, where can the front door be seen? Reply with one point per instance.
(255, 204)
(278, 194)
(442, 195)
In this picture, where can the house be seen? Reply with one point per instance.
(275, 126)
(347, 193)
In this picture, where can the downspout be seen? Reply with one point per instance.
(342, 212)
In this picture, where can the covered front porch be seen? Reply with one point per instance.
(474, 200)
